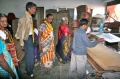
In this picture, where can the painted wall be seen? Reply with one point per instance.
(18, 6)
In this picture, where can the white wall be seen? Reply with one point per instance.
(18, 6)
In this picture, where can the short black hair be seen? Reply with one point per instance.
(2, 15)
(83, 21)
(48, 15)
(29, 5)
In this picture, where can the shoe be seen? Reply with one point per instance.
(37, 63)
(31, 75)
(64, 62)
(25, 72)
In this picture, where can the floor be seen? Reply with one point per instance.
(59, 70)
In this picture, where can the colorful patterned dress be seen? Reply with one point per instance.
(4, 74)
(11, 46)
(12, 50)
(62, 50)
(47, 42)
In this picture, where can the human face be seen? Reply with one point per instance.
(49, 19)
(32, 10)
(66, 21)
(86, 27)
(3, 22)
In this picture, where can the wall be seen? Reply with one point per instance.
(18, 6)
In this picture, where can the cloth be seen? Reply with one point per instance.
(65, 31)
(10, 45)
(77, 68)
(62, 50)
(3, 73)
(47, 43)
(12, 50)
(88, 30)
(36, 31)
(35, 54)
(36, 38)
(2, 35)
(32, 31)
(81, 42)
(35, 46)
(29, 55)
(23, 29)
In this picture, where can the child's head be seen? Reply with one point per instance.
(84, 23)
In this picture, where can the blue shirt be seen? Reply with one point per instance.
(81, 42)
(7, 57)
(1, 47)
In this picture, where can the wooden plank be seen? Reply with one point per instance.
(105, 57)
(99, 69)
(94, 64)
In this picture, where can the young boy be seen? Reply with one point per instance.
(36, 46)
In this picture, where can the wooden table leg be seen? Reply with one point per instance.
(98, 75)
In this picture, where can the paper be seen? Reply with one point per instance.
(108, 37)
(95, 28)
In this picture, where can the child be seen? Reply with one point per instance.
(35, 46)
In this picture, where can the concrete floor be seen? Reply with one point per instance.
(60, 71)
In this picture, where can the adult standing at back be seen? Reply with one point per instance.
(9, 42)
(46, 43)
(63, 45)
(25, 33)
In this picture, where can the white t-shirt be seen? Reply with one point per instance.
(2, 35)
(88, 30)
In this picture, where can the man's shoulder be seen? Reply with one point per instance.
(25, 16)
(22, 18)
(79, 32)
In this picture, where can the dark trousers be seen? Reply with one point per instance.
(29, 55)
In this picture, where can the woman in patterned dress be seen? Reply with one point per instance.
(63, 45)
(9, 42)
(7, 68)
(46, 43)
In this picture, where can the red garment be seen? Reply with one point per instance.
(63, 30)
(12, 50)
